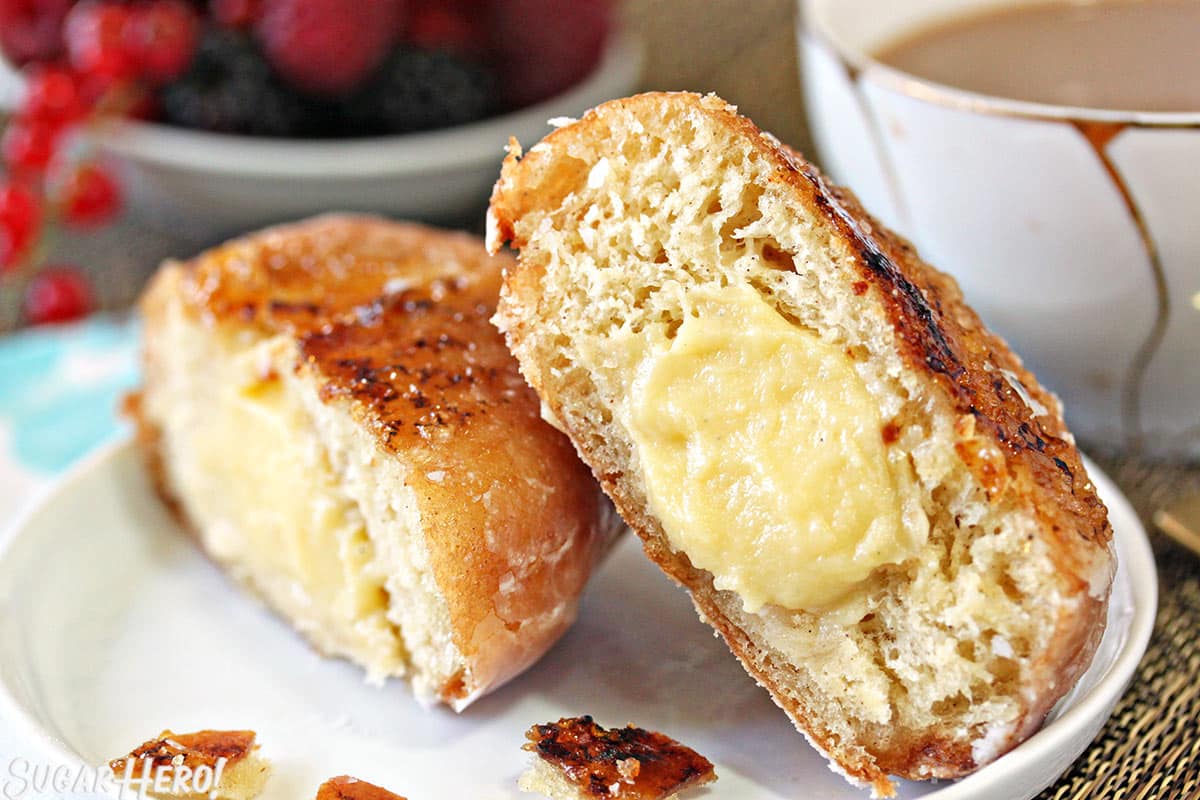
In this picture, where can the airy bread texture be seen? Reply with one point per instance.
(950, 657)
(546, 780)
(332, 414)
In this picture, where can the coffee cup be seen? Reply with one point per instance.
(1073, 231)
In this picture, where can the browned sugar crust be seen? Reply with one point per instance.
(344, 787)
(202, 748)
(624, 762)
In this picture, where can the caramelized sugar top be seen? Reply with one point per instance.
(197, 749)
(622, 762)
(395, 316)
(344, 787)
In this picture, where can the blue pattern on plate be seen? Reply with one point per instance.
(60, 388)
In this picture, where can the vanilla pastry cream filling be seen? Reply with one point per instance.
(763, 455)
(269, 506)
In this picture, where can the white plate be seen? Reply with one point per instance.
(114, 627)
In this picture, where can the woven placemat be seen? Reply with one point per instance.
(1150, 748)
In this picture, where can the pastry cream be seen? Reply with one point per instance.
(280, 503)
(763, 456)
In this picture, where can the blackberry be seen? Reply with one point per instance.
(416, 90)
(230, 88)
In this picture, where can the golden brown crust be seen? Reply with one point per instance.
(435, 382)
(624, 762)
(303, 276)
(1013, 452)
(202, 748)
(344, 787)
(944, 338)
(392, 321)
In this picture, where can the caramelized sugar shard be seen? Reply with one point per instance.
(576, 759)
(231, 758)
(344, 787)
(199, 748)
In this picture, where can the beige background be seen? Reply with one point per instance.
(744, 50)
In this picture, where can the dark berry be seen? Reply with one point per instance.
(57, 294)
(323, 46)
(20, 222)
(31, 30)
(419, 90)
(230, 88)
(90, 197)
(545, 46)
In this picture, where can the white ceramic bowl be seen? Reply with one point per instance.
(207, 185)
(1072, 230)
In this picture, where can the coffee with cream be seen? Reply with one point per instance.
(1135, 55)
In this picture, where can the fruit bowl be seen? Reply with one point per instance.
(203, 186)
(208, 185)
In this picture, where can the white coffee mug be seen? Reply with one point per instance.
(1074, 232)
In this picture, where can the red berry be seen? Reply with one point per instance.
(20, 220)
(163, 37)
(90, 197)
(53, 94)
(57, 294)
(96, 88)
(546, 46)
(31, 30)
(235, 13)
(99, 40)
(29, 144)
(322, 46)
(455, 27)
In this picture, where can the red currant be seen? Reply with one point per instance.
(31, 30)
(235, 13)
(98, 37)
(57, 294)
(53, 94)
(163, 36)
(28, 145)
(20, 220)
(90, 197)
